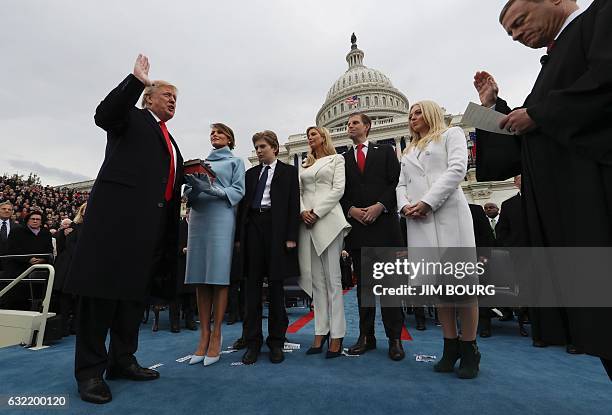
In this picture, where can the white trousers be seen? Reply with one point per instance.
(327, 290)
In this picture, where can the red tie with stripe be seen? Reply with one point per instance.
(170, 184)
(360, 158)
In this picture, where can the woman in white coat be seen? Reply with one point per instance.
(322, 233)
(437, 215)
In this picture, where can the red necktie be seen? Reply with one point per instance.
(170, 184)
(360, 158)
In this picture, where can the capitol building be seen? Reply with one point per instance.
(370, 91)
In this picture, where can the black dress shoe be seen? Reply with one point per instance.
(523, 331)
(571, 349)
(231, 319)
(95, 391)
(175, 327)
(539, 343)
(420, 325)
(250, 356)
(485, 332)
(132, 372)
(239, 344)
(364, 343)
(396, 350)
(276, 355)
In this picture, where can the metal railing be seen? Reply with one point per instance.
(47, 299)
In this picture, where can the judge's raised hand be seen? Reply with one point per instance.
(141, 69)
(487, 88)
(518, 122)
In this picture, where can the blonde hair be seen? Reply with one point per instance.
(326, 149)
(434, 118)
(80, 215)
(154, 87)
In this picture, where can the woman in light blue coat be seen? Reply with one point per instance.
(212, 223)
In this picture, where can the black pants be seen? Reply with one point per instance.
(96, 317)
(122, 317)
(392, 317)
(258, 251)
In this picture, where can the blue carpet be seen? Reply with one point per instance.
(515, 378)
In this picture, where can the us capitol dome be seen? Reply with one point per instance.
(361, 87)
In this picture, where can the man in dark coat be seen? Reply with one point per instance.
(267, 232)
(6, 227)
(372, 174)
(32, 238)
(142, 175)
(510, 229)
(563, 147)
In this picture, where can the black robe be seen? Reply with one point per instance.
(566, 162)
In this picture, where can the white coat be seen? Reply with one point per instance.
(321, 188)
(433, 175)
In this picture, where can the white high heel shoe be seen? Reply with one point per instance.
(195, 359)
(210, 360)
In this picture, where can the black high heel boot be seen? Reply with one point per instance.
(317, 350)
(449, 357)
(470, 360)
(331, 355)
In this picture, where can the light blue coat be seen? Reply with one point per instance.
(212, 222)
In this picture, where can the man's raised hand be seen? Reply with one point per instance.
(141, 69)
(487, 88)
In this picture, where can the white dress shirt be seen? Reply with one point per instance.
(266, 201)
(569, 19)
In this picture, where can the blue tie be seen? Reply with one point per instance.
(261, 186)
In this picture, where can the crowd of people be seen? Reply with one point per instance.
(283, 220)
(28, 195)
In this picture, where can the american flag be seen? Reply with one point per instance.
(352, 100)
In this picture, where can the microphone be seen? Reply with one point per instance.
(544, 59)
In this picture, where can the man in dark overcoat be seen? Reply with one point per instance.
(137, 196)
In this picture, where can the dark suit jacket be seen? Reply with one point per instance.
(285, 196)
(510, 228)
(4, 244)
(64, 256)
(376, 184)
(482, 227)
(23, 241)
(126, 207)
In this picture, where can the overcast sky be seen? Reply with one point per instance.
(252, 65)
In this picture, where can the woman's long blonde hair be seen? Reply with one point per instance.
(326, 149)
(80, 215)
(434, 117)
